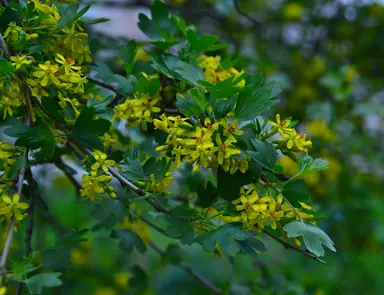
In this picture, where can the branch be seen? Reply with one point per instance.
(280, 176)
(190, 271)
(297, 249)
(4, 47)
(103, 84)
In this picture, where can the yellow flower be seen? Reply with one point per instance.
(230, 129)
(12, 32)
(319, 129)
(3, 290)
(225, 151)
(122, 279)
(48, 73)
(67, 63)
(12, 206)
(92, 185)
(37, 89)
(101, 161)
(19, 60)
(282, 126)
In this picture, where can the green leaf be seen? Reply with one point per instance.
(265, 153)
(225, 236)
(225, 88)
(101, 106)
(229, 184)
(250, 245)
(204, 43)
(45, 280)
(139, 282)
(173, 254)
(33, 138)
(94, 21)
(69, 15)
(296, 190)
(189, 106)
(223, 107)
(251, 104)
(103, 72)
(71, 239)
(16, 167)
(129, 240)
(307, 164)
(6, 66)
(206, 195)
(20, 268)
(144, 85)
(128, 53)
(190, 72)
(181, 229)
(133, 170)
(160, 27)
(313, 236)
(86, 130)
(124, 85)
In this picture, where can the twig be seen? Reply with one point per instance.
(159, 229)
(290, 246)
(31, 182)
(4, 46)
(68, 175)
(280, 176)
(241, 12)
(190, 271)
(8, 241)
(103, 84)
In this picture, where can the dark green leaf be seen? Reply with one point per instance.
(86, 130)
(94, 21)
(173, 254)
(204, 43)
(6, 66)
(296, 190)
(229, 184)
(129, 241)
(250, 245)
(265, 153)
(206, 195)
(225, 236)
(69, 15)
(182, 229)
(144, 85)
(223, 107)
(133, 170)
(16, 167)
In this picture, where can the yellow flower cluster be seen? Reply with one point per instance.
(139, 227)
(10, 208)
(214, 72)
(139, 110)
(97, 182)
(205, 145)
(11, 97)
(19, 61)
(255, 211)
(63, 74)
(160, 186)
(8, 157)
(294, 141)
(319, 129)
(74, 43)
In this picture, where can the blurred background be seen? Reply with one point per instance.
(329, 55)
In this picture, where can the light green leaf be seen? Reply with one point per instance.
(313, 236)
(307, 164)
(44, 280)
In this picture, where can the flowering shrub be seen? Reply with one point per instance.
(197, 110)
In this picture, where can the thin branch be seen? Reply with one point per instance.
(190, 271)
(8, 241)
(68, 174)
(280, 176)
(154, 226)
(103, 84)
(31, 182)
(238, 9)
(4, 46)
(297, 249)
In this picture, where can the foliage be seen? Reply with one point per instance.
(182, 149)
